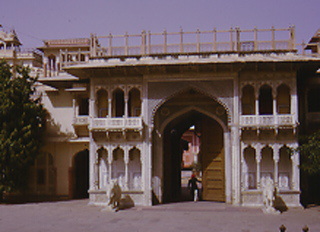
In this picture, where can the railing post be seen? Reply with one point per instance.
(143, 43)
(93, 48)
(292, 37)
(198, 40)
(126, 51)
(214, 45)
(110, 45)
(149, 42)
(165, 41)
(255, 39)
(273, 42)
(181, 40)
(231, 39)
(238, 39)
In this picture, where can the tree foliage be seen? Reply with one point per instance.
(22, 120)
(310, 153)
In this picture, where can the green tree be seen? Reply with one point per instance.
(310, 153)
(22, 119)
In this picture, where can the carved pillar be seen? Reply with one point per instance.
(243, 168)
(294, 103)
(276, 164)
(274, 100)
(126, 168)
(91, 108)
(75, 113)
(109, 106)
(92, 159)
(258, 159)
(235, 165)
(110, 159)
(295, 179)
(96, 172)
(257, 101)
(126, 101)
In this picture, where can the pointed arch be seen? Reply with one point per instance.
(265, 100)
(248, 100)
(134, 103)
(118, 103)
(191, 89)
(135, 169)
(250, 168)
(283, 99)
(103, 168)
(118, 166)
(102, 103)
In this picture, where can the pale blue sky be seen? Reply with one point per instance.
(36, 20)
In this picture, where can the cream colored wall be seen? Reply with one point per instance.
(59, 106)
(63, 153)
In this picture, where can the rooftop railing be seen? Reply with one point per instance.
(234, 40)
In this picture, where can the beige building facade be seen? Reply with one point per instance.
(119, 112)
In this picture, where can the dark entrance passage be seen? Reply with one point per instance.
(81, 175)
(211, 157)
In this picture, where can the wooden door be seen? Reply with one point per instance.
(212, 157)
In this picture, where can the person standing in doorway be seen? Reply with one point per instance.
(193, 187)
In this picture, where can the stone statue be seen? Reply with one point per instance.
(269, 197)
(114, 195)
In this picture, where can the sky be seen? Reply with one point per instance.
(38, 20)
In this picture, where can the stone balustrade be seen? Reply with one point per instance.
(134, 123)
(267, 120)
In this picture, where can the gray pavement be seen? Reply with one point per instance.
(77, 216)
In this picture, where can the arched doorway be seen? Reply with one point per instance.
(172, 120)
(81, 175)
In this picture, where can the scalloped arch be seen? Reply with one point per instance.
(164, 100)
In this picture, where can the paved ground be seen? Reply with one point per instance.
(77, 215)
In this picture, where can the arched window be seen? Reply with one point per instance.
(285, 168)
(118, 103)
(102, 103)
(118, 166)
(134, 169)
(248, 100)
(250, 168)
(283, 99)
(103, 168)
(314, 100)
(265, 100)
(267, 165)
(134, 104)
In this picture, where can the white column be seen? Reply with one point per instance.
(75, 113)
(96, 172)
(243, 169)
(258, 159)
(257, 101)
(295, 181)
(92, 160)
(274, 101)
(91, 108)
(126, 113)
(276, 164)
(235, 165)
(294, 104)
(126, 167)
(109, 106)
(110, 159)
